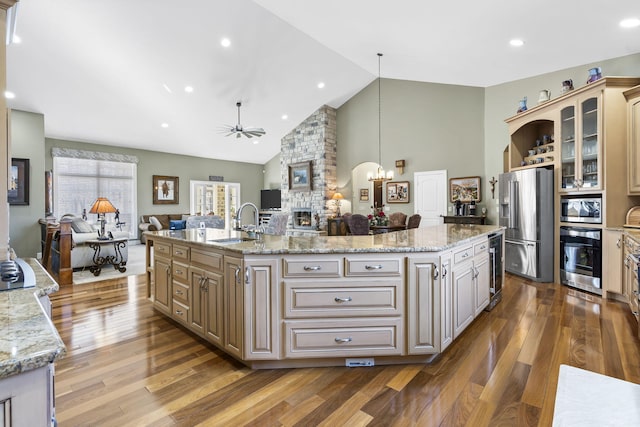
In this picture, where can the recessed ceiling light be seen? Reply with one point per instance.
(285, 117)
(320, 85)
(630, 23)
(16, 39)
(257, 141)
(188, 89)
(165, 125)
(516, 42)
(167, 88)
(225, 42)
(9, 95)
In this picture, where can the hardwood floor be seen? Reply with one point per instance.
(128, 365)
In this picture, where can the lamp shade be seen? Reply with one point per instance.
(101, 206)
(337, 196)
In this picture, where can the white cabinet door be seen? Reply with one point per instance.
(482, 282)
(446, 302)
(463, 297)
(423, 335)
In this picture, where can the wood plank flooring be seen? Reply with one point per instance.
(128, 365)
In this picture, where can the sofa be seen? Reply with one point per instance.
(81, 252)
(159, 222)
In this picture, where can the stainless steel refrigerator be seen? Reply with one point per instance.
(526, 211)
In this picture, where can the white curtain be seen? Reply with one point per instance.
(80, 177)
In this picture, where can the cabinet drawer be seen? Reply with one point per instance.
(181, 252)
(211, 260)
(162, 249)
(329, 299)
(180, 271)
(463, 254)
(181, 293)
(481, 247)
(180, 312)
(312, 267)
(373, 267)
(372, 337)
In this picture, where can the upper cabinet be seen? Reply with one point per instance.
(580, 145)
(633, 140)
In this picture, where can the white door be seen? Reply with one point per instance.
(431, 196)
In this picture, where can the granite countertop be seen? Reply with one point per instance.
(28, 339)
(428, 239)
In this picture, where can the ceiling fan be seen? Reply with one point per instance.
(238, 130)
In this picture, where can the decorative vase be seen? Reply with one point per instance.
(595, 73)
(523, 105)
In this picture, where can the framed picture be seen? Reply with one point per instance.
(166, 190)
(465, 189)
(18, 192)
(398, 192)
(364, 194)
(300, 176)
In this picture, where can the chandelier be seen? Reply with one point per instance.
(380, 175)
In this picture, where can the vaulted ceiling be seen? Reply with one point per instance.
(114, 71)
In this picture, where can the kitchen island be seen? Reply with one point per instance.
(283, 301)
(29, 344)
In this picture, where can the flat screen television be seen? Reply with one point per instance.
(269, 199)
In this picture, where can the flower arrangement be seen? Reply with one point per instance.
(377, 217)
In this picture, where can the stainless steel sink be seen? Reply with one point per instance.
(229, 240)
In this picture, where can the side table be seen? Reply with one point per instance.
(117, 260)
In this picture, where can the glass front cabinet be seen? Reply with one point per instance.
(580, 157)
(215, 198)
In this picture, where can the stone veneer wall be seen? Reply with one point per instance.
(314, 139)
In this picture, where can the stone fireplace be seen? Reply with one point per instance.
(302, 218)
(312, 140)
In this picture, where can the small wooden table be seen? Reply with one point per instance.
(337, 226)
(379, 229)
(117, 260)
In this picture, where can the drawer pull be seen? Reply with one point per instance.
(178, 271)
(339, 340)
(179, 253)
(373, 267)
(338, 299)
(179, 292)
(465, 255)
(312, 268)
(483, 247)
(179, 312)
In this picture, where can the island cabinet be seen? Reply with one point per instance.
(207, 292)
(162, 277)
(233, 305)
(633, 140)
(612, 261)
(470, 282)
(343, 305)
(423, 304)
(180, 289)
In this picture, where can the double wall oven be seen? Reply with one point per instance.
(580, 245)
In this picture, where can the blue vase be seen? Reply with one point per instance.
(523, 105)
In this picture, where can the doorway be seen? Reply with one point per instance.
(431, 196)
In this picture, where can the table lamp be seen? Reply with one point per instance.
(101, 207)
(337, 197)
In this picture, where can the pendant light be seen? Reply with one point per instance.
(380, 174)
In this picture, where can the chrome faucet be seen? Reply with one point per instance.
(238, 225)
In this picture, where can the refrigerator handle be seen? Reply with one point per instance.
(513, 209)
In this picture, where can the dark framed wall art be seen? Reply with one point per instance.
(300, 176)
(18, 192)
(166, 190)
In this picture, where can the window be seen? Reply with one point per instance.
(80, 177)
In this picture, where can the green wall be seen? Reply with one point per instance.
(272, 173)
(27, 141)
(431, 126)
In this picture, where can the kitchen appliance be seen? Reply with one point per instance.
(581, 258)
(496, 269)
(526, 211)
(581, 209)
(16, 274)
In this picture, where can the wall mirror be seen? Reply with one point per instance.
(365, 193)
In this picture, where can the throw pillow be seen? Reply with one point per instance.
(79, 225)
(153, 220)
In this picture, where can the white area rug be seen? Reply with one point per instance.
(135, 265)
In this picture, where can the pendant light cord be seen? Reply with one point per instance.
(379, 117)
